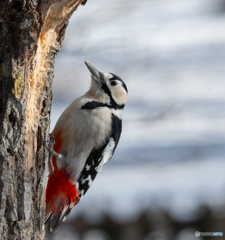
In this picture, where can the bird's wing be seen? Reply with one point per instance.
(94, 164)
(98, 158)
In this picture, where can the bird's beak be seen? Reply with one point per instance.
(94, 72)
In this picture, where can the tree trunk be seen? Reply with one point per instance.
(31, 34)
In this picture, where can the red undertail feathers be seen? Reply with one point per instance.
(61, 193)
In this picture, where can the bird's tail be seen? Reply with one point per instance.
(61, 197)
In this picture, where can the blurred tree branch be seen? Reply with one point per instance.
(31, 34)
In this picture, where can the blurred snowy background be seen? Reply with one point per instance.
(168, 170)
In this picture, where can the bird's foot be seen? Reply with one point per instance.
(51, 153)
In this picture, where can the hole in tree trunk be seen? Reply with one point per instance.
(12, 119)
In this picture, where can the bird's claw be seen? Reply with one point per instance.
(51, 174)
(52, 139)
(51, 153)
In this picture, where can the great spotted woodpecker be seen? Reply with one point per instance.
(83, 141)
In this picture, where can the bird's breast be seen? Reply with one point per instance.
(98, 124)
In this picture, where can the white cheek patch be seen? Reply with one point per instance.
(119, 95)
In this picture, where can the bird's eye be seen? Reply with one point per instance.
(113, 83)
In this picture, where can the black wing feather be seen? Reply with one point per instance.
(89, 171)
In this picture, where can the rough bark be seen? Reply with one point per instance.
(31, 34)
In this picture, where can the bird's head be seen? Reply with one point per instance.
(109, 85)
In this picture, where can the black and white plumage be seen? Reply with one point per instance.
(99, 157)
(86, 137)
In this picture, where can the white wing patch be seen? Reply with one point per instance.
(88, 167)
(81, 193)
(89, 179)
(106, 155)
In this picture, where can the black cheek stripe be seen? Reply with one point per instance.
(113, 104)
